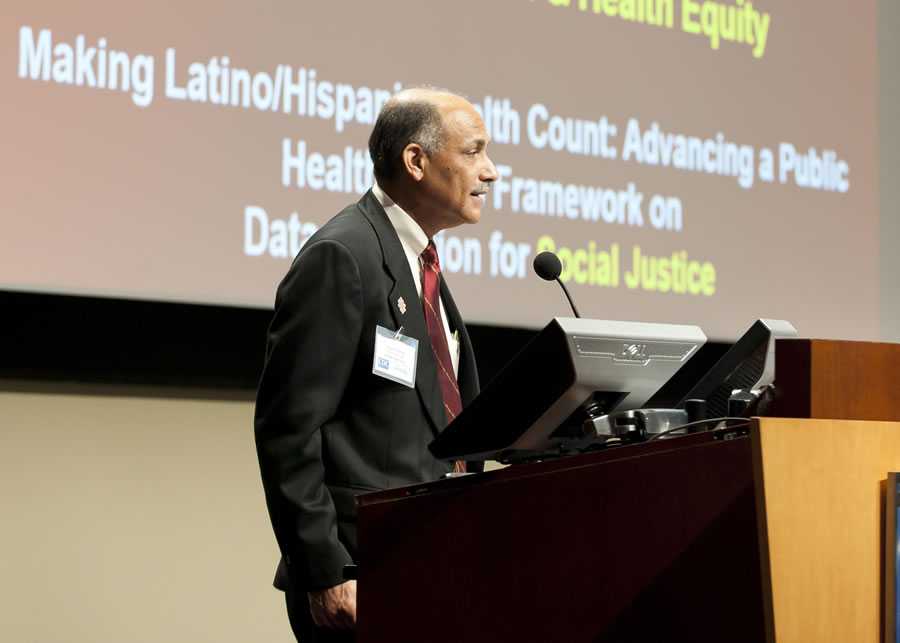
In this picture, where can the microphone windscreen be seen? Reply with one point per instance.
(547, 266)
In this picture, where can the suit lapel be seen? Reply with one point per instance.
(413, 319)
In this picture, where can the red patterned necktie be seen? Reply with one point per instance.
(431, 275)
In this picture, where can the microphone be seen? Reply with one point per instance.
(548, 266)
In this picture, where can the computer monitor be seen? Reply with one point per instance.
(749, 364)
(572, 370)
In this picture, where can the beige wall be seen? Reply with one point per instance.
(133, 519)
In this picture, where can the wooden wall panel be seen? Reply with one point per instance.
(843, 380)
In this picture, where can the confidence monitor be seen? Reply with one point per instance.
(573, 370)
(748, 365)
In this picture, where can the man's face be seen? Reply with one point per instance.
(456, 179)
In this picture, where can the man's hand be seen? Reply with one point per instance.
(334, 607)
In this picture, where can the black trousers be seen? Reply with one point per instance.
(302, 624)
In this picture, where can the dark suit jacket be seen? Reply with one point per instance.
(327, 429)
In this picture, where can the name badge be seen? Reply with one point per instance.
(395, 356)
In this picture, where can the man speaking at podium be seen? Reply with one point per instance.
(367, 356)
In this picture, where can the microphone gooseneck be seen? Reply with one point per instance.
(548, 266)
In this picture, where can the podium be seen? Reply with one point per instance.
(769, 535)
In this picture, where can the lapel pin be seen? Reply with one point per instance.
(401, 304)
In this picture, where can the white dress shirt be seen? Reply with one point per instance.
(414, 241)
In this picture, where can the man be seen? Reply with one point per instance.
(327, 427)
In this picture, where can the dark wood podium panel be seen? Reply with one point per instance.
(639, 544)
(841, 380)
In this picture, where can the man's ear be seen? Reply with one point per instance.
(414, 161)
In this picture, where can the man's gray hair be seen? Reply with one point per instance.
(403, 120)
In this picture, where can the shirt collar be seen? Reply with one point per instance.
(411, 234)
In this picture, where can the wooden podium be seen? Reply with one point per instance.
(772, 536)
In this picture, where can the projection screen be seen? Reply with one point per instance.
(704, 162)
